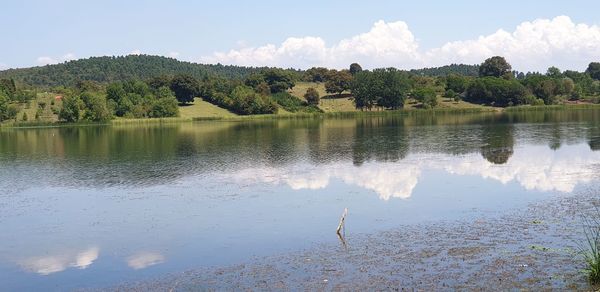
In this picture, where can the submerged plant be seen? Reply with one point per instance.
(591, 248)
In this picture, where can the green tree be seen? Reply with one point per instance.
(185, 88)
(95, 108)
(593, 70)
(496, 91)
(386, 88)
(11, 112)
(71, 109)
(494, 67)
(24, 96)
(338, 81)
(87, 85)
(8, 86)
(451, 94)
(157, 82)
(247, 102)
(24, 118)
(364, 90)
(312, 96)
(315, 74)
(279, 80)
(355, 68)
(426, 96)
(115, 92)
(165, 105)
(457, 83)
(3, 106)
(554, 72)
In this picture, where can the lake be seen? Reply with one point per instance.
(96, 206)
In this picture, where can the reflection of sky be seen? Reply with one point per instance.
(143, 260)
(49, 264)
(534, 168)
(222, 217)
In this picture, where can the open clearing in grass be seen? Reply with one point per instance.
(300, 89)
(332, 104)
(203, 109)
(328, 103)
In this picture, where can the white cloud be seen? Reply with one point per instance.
(46, 60)
(173, 54)
(46, 265)
(3, 66)
(135, 52)
(68, 57)
(534, 45)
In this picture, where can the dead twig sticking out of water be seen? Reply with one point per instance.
(341, 225)
(343, 241)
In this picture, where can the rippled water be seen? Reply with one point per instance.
(94, 206)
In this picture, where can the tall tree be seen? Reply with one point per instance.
(494, 67)
(338, 81)
(554, 72)
(185, 88)
(594, 70)
(71, 109)
(355, 68)
(279, 80)
(315, 74)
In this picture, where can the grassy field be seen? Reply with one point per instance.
(45, 103)
(203, 109)
(330, 104)
(300, 89)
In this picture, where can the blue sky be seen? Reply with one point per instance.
(38, 32)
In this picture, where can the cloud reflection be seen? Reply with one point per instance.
(143, 260)
(46, 265)
(533, 167)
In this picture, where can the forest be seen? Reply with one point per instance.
(99, 89)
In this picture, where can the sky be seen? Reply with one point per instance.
(532, 34)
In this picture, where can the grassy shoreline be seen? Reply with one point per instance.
(342, 114)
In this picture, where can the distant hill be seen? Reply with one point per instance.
(110, 69)
(461, 69)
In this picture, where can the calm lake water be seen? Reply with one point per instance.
(96, 206)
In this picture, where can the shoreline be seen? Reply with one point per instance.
(34, 124)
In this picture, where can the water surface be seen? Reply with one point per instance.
(95, 206)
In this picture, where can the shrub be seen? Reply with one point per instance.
(71, 109)
(247, 102)
(312, 96)
(288, 102)
(496, 91)
(96, 109)
(426, 96)
(590, 250)
(164, 107)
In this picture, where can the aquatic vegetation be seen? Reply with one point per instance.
(591, 248)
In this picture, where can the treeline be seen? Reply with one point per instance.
(89, 101)
(260, 93)
(495, 85)
(143, 87)
(121, 68)
(459, 69)
(11, 97)
(264, 92)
